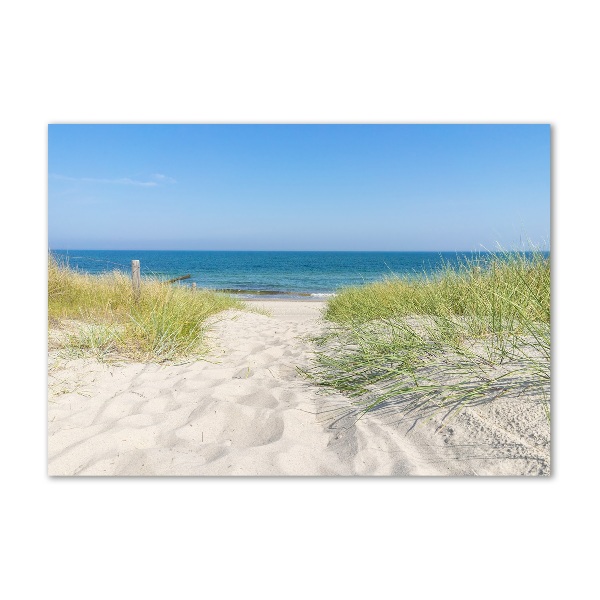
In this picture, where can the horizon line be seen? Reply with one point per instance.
(240, 250)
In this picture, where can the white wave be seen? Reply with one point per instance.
(323, 295)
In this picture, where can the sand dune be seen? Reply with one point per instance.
(245, 410)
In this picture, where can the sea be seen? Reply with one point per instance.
(268, 275)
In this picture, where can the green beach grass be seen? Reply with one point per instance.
(99, 315)
(466, 335)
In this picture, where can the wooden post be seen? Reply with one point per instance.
(135, 279)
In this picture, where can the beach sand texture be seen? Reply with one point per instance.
(246, 410)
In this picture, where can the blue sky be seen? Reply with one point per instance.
(297, 187)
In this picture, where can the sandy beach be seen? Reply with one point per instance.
(246, 410)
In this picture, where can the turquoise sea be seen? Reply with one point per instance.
(283, 275)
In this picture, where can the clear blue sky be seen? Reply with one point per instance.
(297, 187)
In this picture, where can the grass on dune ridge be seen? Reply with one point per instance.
(502, 286)
(466, 335)
(166, 323)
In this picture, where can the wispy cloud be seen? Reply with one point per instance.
(155, 180)
(163, 178)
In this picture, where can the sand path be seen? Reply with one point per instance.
(246, 411)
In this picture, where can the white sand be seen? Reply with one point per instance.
(249, 412)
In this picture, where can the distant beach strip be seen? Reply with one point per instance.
(278, 294)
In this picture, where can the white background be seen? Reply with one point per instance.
(193, 62)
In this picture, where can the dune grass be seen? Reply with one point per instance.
(466, 335)
(101, 317)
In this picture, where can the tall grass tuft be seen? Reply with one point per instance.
(468, 334)
(101, 316)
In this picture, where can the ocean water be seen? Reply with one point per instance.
(282, 275)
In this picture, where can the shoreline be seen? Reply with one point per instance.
(292, 299)
(253, 294)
